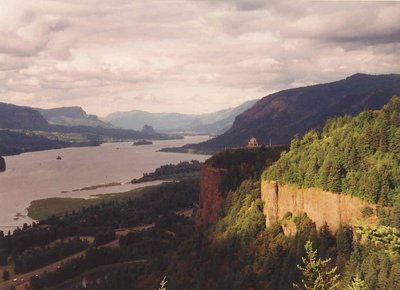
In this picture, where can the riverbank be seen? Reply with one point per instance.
(58, 206)
(40, 175)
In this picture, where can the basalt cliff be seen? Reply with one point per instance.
(210, 199)
(322, 207)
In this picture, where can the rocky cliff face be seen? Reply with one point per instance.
(210, 199)
(320, 206)
(17, 117)
(2, 164)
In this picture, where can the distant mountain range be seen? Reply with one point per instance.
(212, 123)
(279, 116)
(24, 129)
(71, 116)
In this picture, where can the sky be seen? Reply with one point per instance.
(187, 56)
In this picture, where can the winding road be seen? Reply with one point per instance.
(25, 278)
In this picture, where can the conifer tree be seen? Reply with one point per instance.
(357, 284)
(316, 274)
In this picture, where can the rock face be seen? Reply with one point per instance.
(17, 117)
(2, 164)
(210, 199)
(320, 206)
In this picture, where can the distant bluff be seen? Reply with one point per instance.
(17, 117)
(2, 164)
(281, 115)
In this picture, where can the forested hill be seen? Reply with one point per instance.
(358, 155)
(281, 115)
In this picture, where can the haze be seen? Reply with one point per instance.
(186, 56)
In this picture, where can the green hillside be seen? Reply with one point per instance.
(358, 155)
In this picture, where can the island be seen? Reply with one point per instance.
(142, 142)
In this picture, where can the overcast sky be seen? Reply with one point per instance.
(190, 56)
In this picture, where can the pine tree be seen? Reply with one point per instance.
(316, 274)
(394, 277)
(163, 284)
(357, 284)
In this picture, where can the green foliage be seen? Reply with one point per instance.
(357, 284)
(38, 257)
(358, 155)
(388, 238)
(243, 212)
(374, 266)
(242, 164)
(366, 211)
(316, 274)
(163, 284)
(172, 171)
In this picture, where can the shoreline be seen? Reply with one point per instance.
(43, 208)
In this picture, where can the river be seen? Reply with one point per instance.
(38, 175)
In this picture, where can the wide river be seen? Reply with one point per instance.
(38, 175)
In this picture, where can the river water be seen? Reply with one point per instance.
(37, 175)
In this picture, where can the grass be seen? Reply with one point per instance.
(44, 208)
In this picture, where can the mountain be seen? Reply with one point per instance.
(16, 117)
(71, 116)
(359, 156)
(24, 129)
(281, 115)
(213, 123)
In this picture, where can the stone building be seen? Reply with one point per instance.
(253, 143)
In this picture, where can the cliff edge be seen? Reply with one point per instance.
(210, 199)
(319, 205)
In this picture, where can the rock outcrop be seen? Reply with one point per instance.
(2, 164)
(210, 199)
(319, 205)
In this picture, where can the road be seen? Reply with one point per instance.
(25, 278)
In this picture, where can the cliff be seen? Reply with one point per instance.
(281, 115)
(2, 164)
(17, 117)
(210, 199)
(320, 206)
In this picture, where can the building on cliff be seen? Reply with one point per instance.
(253, 143)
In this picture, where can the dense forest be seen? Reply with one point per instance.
(243, 163)
(358, 155)
(172, 171)
(239, 251)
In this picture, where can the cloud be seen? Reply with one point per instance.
(162, 55)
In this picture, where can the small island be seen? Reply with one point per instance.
(142, 142)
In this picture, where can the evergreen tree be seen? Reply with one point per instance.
(394, 277)
(316, 274)
(357, 284)
(344, 239)
(163, 284)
